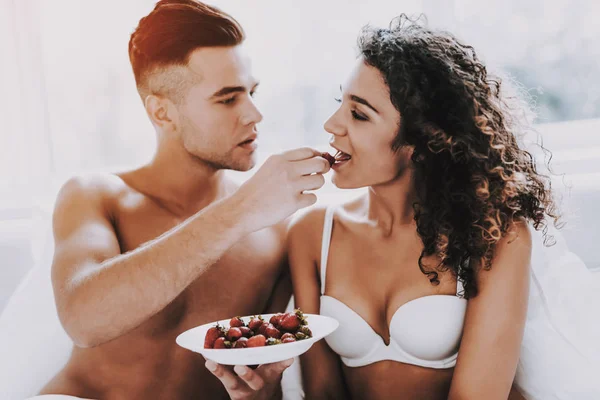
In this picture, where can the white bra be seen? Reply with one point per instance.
(425, 331)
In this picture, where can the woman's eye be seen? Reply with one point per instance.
(358, 116)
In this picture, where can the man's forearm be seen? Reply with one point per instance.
(128, 289)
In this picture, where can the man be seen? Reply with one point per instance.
(142, 256)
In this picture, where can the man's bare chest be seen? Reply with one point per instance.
(241, 281)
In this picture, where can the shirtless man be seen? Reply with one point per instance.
(142, 256)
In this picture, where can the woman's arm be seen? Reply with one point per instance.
(321, 372)
(494, 323)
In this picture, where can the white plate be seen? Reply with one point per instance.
(193, 339)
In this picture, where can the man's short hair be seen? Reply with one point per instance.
(167, 36)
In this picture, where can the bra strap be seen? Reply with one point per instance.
(327, 229)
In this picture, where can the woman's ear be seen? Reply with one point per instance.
(404, 156)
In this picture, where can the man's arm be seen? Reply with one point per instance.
(102, 294)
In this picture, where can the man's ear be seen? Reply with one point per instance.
(162, 112)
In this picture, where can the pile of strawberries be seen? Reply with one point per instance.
(281, 328)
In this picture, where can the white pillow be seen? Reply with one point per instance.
(33, 344)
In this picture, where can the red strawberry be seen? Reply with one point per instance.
(241, 343)
(211, 335)
(255, 323)
(236, 322)
(287, 336)
(257, 341)
(276, 320)
(221, 343)
(233, 334)
(329, 158)
(272, 332)
(289, 340)
(262, 330)
(290, 322)
(246, 332)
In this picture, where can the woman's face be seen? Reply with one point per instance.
(363, 129)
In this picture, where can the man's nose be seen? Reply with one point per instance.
(251, 114)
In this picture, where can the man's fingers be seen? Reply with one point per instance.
(249, 376)
(300, 154)
(310, 182)
(227, 378)
(272, 372)
(311, 166)
(307, 200)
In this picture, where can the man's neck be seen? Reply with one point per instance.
(181, 182)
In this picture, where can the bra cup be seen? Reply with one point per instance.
(354, 338)
(423, 332)
(431, 328)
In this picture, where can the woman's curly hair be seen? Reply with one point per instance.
(472, 178)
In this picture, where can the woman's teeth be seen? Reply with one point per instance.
(341, 156)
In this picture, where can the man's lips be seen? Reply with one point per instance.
(248, 140)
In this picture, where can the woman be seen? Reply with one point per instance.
(429, 272)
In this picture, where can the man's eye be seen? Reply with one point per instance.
(230, 100)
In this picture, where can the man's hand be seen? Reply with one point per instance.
(261, 383)
(278, 189)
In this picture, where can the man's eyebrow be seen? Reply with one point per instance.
(361, 101)
(232, 89)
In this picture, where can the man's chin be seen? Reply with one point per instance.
(228, 162)
(243, 166)
(241, 169)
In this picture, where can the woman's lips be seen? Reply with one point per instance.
(339, 157)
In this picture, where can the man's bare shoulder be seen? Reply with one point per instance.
(94, 190)
(95, 187)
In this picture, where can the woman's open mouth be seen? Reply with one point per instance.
(341, 159)
(338, 160)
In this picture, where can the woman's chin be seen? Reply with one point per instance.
(341, 183)
(337, 180)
